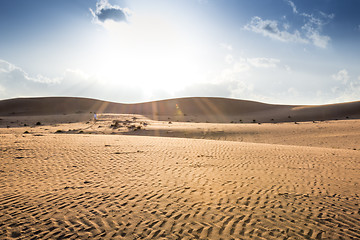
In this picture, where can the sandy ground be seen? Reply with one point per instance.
(72, 178)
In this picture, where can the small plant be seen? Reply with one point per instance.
(26, 132)
(116, 124)
(59, 131)
(241, 120)
(170, 122)
(254, 120)
(272, 120)
(38, 124)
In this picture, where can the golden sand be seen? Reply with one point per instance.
(234, 181)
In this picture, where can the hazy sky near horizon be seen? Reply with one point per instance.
(275, 51)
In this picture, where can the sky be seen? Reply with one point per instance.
(273, 51)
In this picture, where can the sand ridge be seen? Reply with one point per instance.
(194, 109)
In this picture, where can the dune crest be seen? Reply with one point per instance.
(199, 109)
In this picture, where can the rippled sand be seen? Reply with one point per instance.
(271, 181)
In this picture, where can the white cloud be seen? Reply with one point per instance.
(263, 62)
(349, 90)
(226, 46)
(310, 32)
(105, 11)
(245, 65)
(270, 28)
(315, 36)
(229, 59)
(287, 68)
(16, 82)
(292, 6)
(341, 76)
(10, 72)
(313, 27)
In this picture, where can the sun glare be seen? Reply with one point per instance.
(153, 58)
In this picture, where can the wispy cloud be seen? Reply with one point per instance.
(264, 62)
(292, 6)
(105, 11)
(349, 89)
(16, 82)
(10, 72)
(310, 32)
(271, 28)
(245, 64)
(226, 46)
(341, 76)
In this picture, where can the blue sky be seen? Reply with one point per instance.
(275, 51)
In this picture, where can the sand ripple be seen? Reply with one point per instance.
(133, 187)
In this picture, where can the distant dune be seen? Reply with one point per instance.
(199, 109)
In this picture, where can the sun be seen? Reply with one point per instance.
(152, 58)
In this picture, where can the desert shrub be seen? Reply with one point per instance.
(116, 124)
(59, 131)
(26, 132)
(38, 124)
(254, 121)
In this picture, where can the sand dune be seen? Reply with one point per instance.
(130, 176)
(198, 109)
